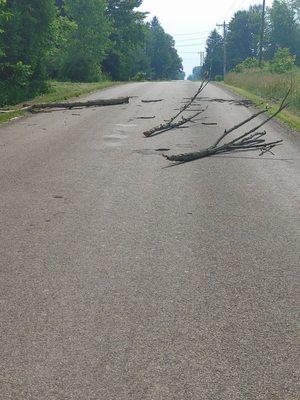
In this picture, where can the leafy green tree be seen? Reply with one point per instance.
(213, 64)
(282, 62)
(3, 17)
(249, 63)
(181, 76)
(26, 34)
(25, 41)
(243, 35)
(128, 35)
(89, 42)
(165, 62)
(196, 75)
(62, 30)
(283, 29)
(295, 6)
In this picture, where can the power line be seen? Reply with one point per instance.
(237, 4)
(188, 34)
(231, 8)
(189, 52)
(189, 40)
(190, 45)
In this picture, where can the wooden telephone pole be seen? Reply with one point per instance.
(224, 26)
(202, 56)
(262, 32)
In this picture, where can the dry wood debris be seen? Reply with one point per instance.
(249, 141)
(172, 123)
(152, 101)
(69, 105)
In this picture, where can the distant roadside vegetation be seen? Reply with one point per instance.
(79, 41)
(281, 55)
(272, 81)
(282, 37)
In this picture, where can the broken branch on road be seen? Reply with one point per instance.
(248, 141)
(171, 124)
(152, 101)
(69, 105)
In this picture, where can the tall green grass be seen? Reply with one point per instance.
(270, 86)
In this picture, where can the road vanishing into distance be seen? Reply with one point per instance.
(123, 279)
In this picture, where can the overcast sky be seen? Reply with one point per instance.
(190, 22)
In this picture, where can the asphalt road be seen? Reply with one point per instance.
(124, 280)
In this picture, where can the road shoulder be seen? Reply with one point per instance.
(285, 118)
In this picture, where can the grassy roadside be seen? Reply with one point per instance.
(286, 116)
(58, 91)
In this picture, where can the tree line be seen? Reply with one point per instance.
(281, 38)
(77, 40)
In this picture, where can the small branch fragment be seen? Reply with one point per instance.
(191, 101)
(152, 101)
(152, 117)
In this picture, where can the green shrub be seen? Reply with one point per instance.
(80, 69)
(249, 63)
(18, 82)
(139, 77)
(14, 82)
(18, 73)
(218, 78)
(282, 62)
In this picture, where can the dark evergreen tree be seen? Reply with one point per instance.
(196, 75)
(26, 34)
(25, 38)
(243, 35)
(127, 54)
(283, 29)
(165, 62)
(89, 42)
(3, 17)
(213, 64)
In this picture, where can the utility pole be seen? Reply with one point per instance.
(224, 26)
(262, 32)
(201, 53)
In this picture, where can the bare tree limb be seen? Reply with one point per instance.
(248, 141)
(170, 124)
(77, 104)
(227, 132)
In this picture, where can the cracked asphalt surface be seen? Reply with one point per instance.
(124, 280)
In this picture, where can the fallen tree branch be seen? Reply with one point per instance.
(228, 131)
(152, 117)
(191, 101)
(69, 105)
(248, 141)
(152, 101)
(90, 103)
(225, 148)
(170, 124)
